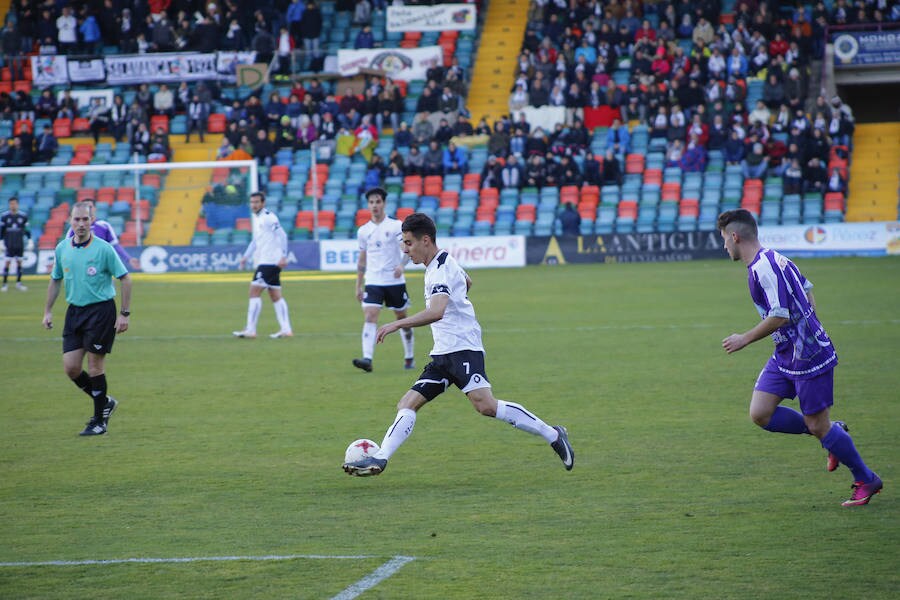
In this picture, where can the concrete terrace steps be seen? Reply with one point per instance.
(498, 51)
(874, 173)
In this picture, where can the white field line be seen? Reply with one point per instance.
(353, 591)
(189, 559)
(488, 329)
(374, 578)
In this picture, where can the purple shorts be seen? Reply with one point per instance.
(815, 394)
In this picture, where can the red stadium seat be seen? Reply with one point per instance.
(62, 128)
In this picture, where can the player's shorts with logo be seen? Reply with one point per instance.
(267, 276)
(464, 369)
(91, 327)
(394, 297)
(815, 394)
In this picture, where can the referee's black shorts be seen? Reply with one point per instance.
(91, 327)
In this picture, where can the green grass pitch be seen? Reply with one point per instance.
(232, 448)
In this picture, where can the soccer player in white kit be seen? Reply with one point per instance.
(269, 252)
(379, 278)
(457, 356)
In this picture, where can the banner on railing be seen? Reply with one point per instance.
(404, 64)
(138, 68)
(674, 246)
(48, 70)
(471, 252)
(228, 62)
(838, 239)
(88, 70)
(866, 48)
(160, 68)
(441, 17)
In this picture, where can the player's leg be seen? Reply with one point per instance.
(469, 374)
(99, 336)
(816, 397)
(409, 342)
(398, 301)
(282, 314)
(74, 350)
(5, 273)
(431, 383)
(19, 285)
(254, 307)
(371, 306)
(765, 403)
(97, 371)
(73, 362)
(370, 327)
(403, 424)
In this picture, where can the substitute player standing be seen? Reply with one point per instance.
(379, 278)
(13, 231)
(804, 359)
(88, 265)
(457, 356)
(269, 252)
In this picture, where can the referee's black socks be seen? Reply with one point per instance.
(98, 391)
(83, 382)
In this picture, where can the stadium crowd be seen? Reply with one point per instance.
(687, 67)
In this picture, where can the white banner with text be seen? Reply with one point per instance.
(833, 239)
(441, 17)
(471, 252)
(405, 64)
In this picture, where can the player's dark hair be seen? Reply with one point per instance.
(420, 224)
(742, 220)
(261, 195)
(376, 191)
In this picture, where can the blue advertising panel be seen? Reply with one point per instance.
(866, 48)
(302, 256)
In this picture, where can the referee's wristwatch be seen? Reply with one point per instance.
(125, 313)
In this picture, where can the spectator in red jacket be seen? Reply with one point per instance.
(645, 32)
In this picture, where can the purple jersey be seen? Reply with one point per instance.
(803, 349)
(104, 231)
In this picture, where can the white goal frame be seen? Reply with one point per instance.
(140, 168)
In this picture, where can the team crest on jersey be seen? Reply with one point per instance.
(92, 271)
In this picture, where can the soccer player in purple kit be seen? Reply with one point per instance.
(803, 363)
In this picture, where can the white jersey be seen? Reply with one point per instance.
(381, 243)
(269, 243)
(458, 329)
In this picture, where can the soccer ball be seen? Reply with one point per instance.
(359, 450)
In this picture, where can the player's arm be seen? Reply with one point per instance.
(125, 289)
(811, 298)
(52, 294)
(361, 275)
(281, 236)
(764, 328)
(247, 253)
(437, 304)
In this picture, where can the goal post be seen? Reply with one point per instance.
(129, 195)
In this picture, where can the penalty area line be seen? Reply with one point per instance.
(374, 578)
(188, 559)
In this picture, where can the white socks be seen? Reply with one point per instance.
(397, 433)
(281, 313)
(369, 331)
(408, 343)
(368, 339)
(517, 416)
(253, 309)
